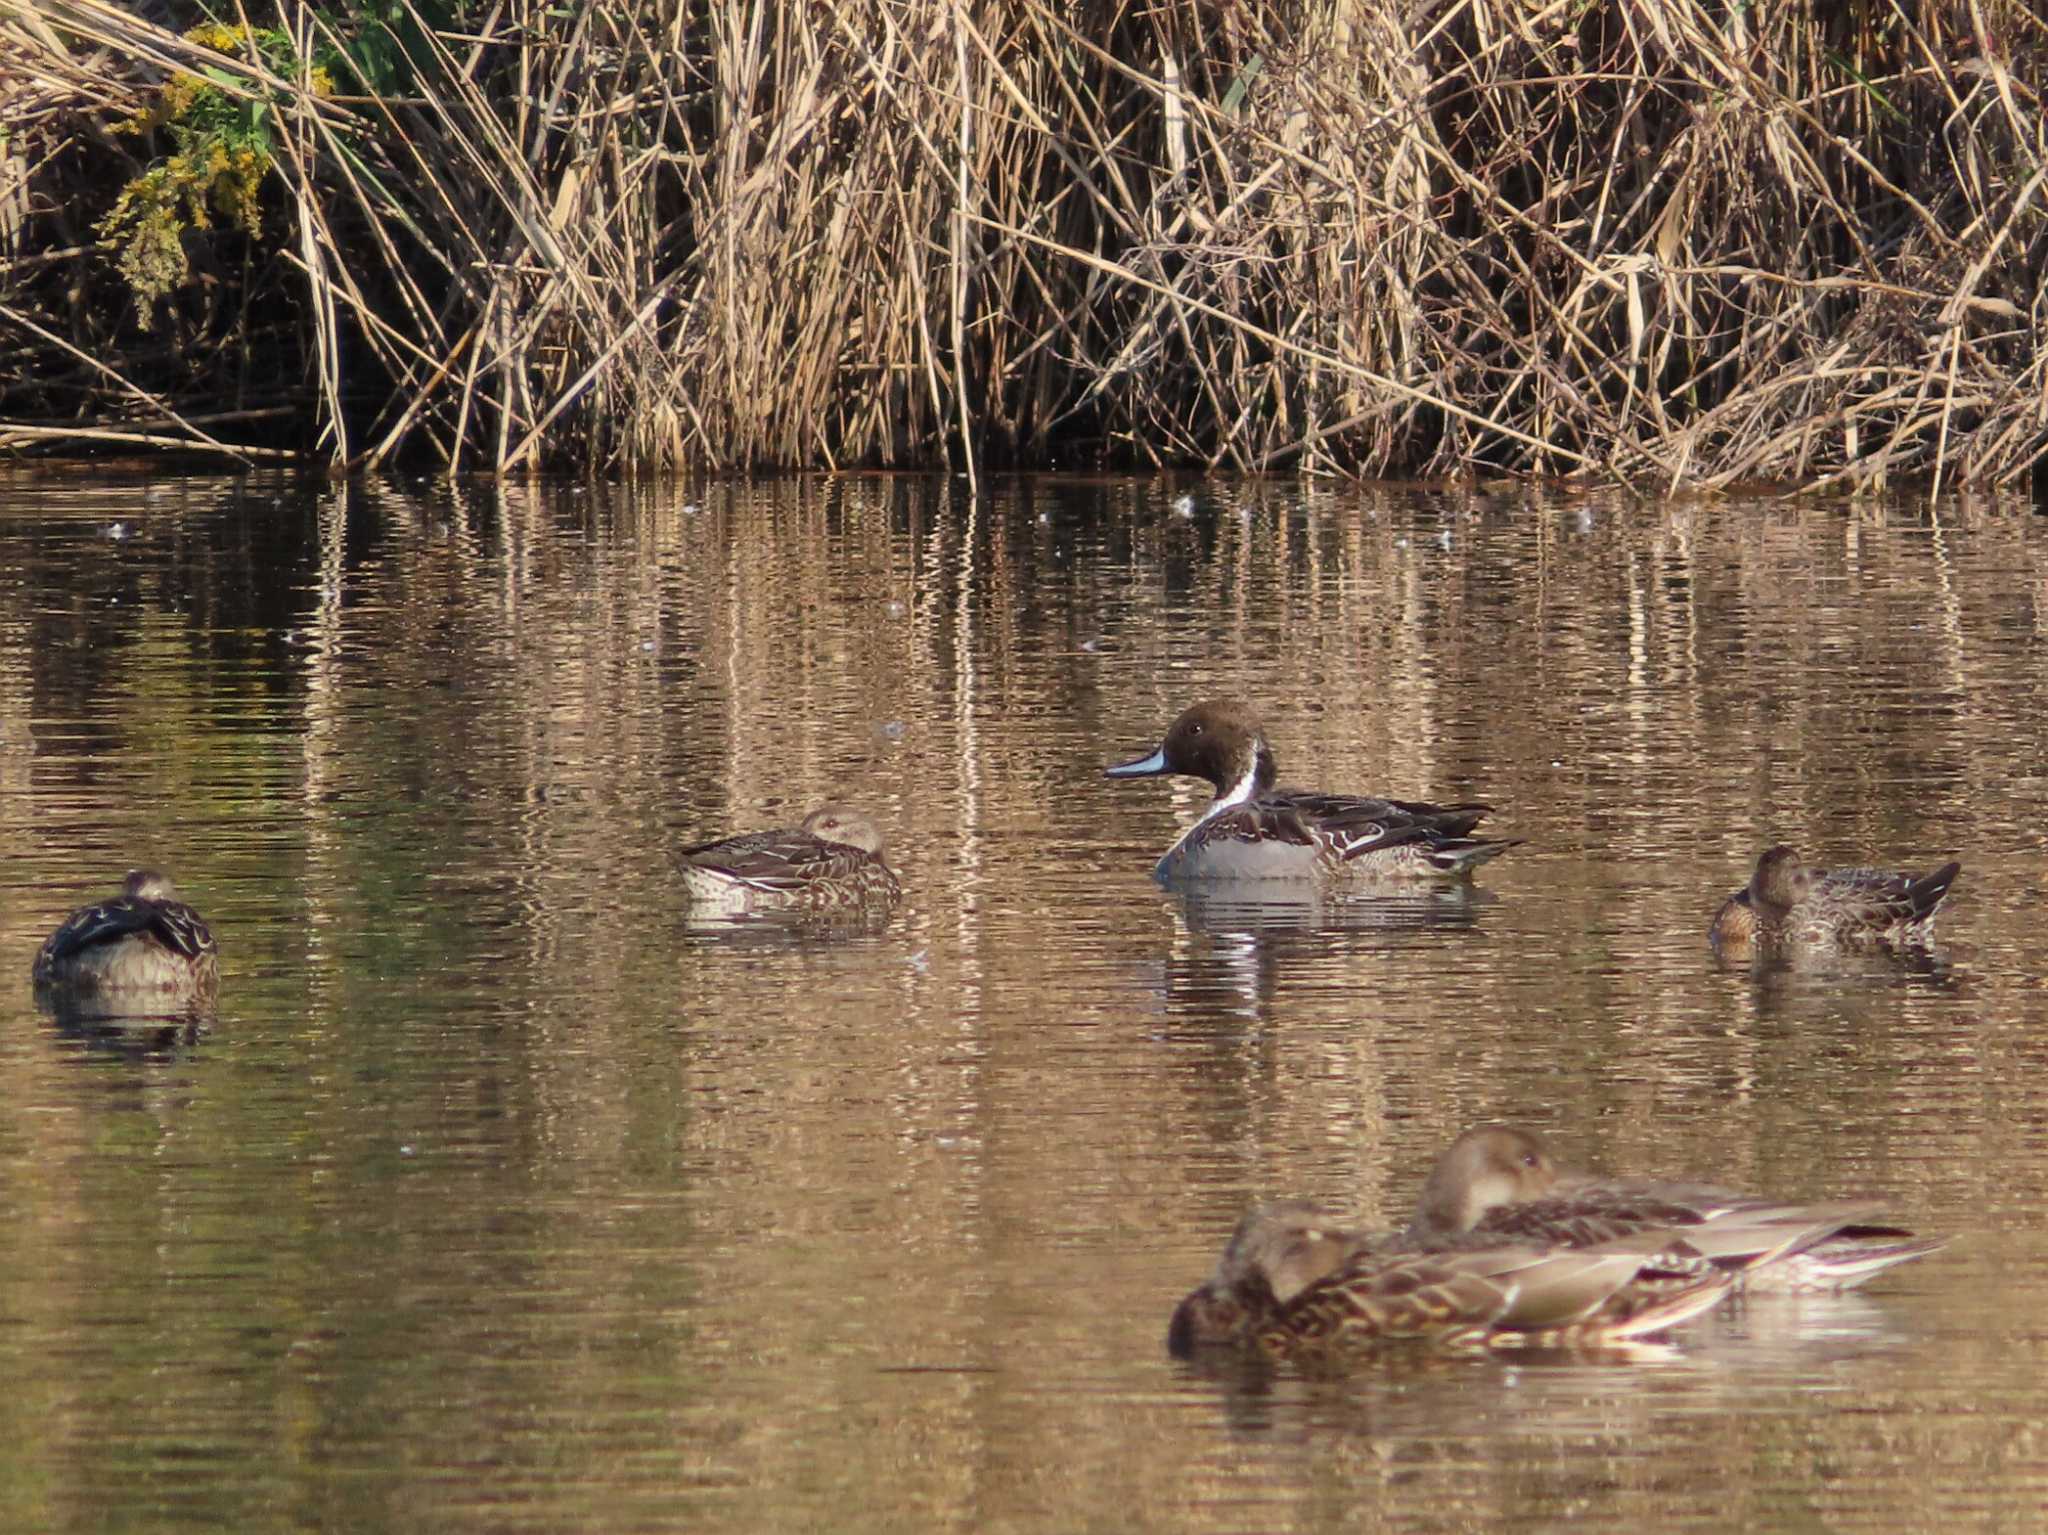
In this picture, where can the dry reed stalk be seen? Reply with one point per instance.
(1667, 241)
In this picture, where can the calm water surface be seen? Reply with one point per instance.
(499, 1196)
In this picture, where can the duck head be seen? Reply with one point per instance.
(845, 825)
(1485, 1168)
(1219, 740)
(1780, 879)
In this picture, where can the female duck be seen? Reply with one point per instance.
(1254, 830)
(1499, 1183)
(833, 860)
(1788, 903)
(1291, 1284)
(143, 948)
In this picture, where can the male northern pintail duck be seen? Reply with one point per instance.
(1291, 1284)
(1788, 903)
(1499, 1183)
(834, 859)
(143, 948)
(1254, 830)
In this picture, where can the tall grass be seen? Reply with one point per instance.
(1673, 241)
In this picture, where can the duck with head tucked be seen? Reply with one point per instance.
(1787, 904)
(142, 951)
(1484, 1296)
(1293, 1284)
(1501, 1183)
(1507, 1248)
(1256, 830)
(833, 860)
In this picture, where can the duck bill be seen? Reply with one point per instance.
(1144, 767)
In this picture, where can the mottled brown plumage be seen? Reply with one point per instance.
(1292, 1283)
(833, 860)
(1498, 1183)
(142, 951)
(1788, 904)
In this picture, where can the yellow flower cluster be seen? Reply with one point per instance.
(218, 167)
(236, 178)
(222, 38)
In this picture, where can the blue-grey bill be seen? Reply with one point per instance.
(1144, 767)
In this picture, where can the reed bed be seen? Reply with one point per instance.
(1672, 242)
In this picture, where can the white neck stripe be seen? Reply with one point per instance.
(1239, 793)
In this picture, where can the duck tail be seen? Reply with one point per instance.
(1459, 856)
(1928, 892)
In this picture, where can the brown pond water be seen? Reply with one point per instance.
(498, 1196)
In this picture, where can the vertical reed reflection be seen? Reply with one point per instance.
(507, 1159)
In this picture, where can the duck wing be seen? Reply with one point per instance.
(1880, 898)
(173, 924)
(777, 860)
(1370, 816)
(1769, 1244)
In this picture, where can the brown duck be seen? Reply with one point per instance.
(1500, 1183)
(833, 860)
(1786, 903)
(1290, 1283)
(142, 950)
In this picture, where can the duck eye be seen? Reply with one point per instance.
(1530, 1159)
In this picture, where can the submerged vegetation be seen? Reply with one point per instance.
(1674, 241)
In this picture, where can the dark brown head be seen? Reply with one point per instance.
(1485, 1168)
(1780, 879)
(846, 825)
(1219, 740)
